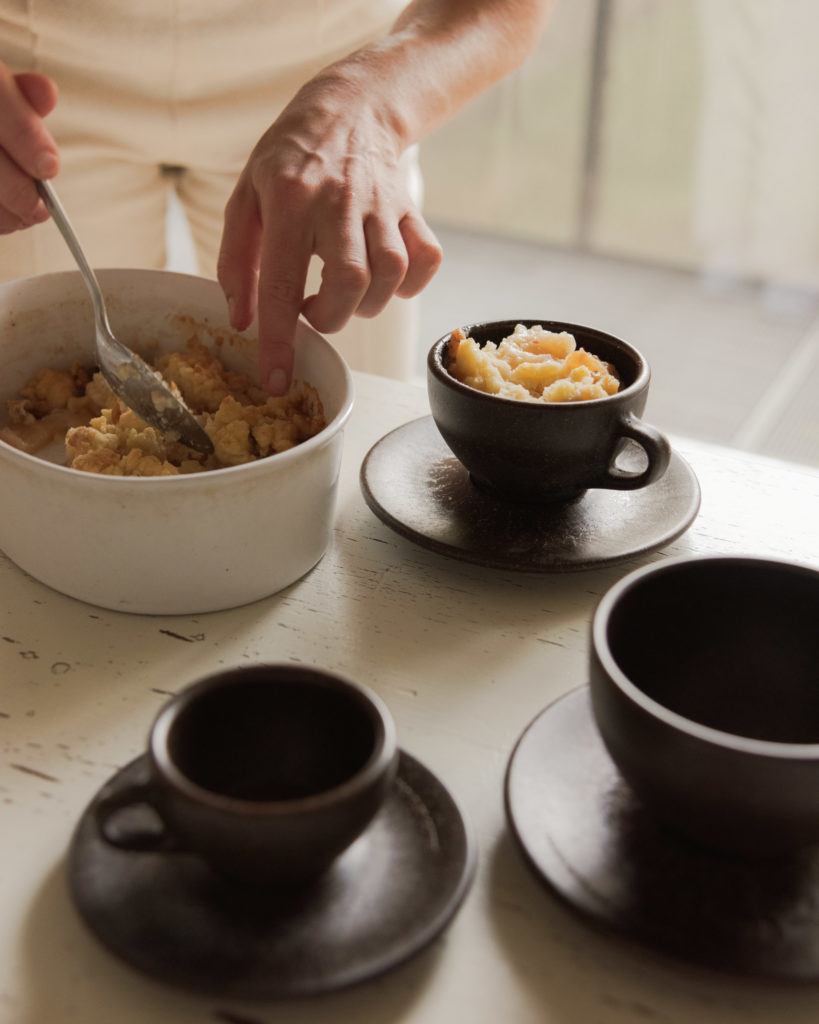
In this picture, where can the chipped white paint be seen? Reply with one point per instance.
(465, 657)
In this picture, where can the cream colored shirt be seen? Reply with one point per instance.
(177, 71)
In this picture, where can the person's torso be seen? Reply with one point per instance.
(187, 81)
(184, 49)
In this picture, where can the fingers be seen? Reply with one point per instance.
(9, 222)
(401, 259)
(387, 255)
(276, 220)
(23, 135)
(26, 148)
(285, 257)
(345, 277)
(19, 200)
(424, 254)
(39, 91)
(237, 267)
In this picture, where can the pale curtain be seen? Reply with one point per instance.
(757, 181)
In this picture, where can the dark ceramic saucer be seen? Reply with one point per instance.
(384, 900)
(585, 834)
(414, 484)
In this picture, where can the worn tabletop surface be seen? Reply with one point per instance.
(465, 657)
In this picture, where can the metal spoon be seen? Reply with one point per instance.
(128, 376)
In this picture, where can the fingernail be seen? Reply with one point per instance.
(277, 382)
(46, 165)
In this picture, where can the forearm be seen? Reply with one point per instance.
(438, 55)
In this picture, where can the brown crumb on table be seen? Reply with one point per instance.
(104, 436)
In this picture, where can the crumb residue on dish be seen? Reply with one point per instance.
(102, 435)
(531, 365)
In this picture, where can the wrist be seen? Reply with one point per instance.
(372, 81)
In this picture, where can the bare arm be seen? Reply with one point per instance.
(442, 53)
(324, 178)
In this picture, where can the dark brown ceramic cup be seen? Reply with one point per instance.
(544, 452)
(268, 773)
(705, 690)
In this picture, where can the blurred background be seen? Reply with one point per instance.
(653, 171)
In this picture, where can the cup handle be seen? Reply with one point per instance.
(653, 443)
(142, 791)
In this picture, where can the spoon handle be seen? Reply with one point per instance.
(58, 214)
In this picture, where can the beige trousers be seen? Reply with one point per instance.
(161, 95)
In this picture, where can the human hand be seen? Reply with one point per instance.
(27, 150)
(323, 179)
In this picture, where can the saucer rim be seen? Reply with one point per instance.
(405, 950)
(552, 881)
(458, 554)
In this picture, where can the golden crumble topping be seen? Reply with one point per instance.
(104, 436)
(203, 381)
(531, 365)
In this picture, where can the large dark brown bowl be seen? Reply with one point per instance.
(539, 451)
(705, 691)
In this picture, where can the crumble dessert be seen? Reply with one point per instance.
(102, 435)
(531, 365)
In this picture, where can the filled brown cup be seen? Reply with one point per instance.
(540, 451)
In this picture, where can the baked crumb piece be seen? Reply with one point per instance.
(98, 394)
(241, 433)
(531, 365)
(51, 402)
(53, 389)
(104, 436)
(203, 381)
(118, 443)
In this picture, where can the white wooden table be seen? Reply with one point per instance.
(465, 657)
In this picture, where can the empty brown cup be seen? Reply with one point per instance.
(268, 773)
(705, 691)
(547, 451)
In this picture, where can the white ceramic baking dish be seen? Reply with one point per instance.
(162, 545)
